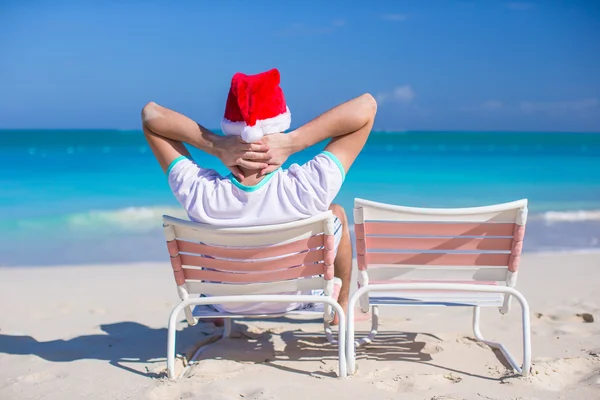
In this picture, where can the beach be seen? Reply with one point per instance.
(449, 110)
(99, 332)
(86, 286)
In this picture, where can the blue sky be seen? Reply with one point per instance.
(439, 65)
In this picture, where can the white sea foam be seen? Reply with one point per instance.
(570, 216)
(143, 219)
(128, 219)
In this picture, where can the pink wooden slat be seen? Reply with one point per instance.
(381, 243)
(177, 270)
(439, 229)
(439, 259)
(517, 247)
(359, 231)
(172, 248)
(519, 232)
(329, 242)
(265, 265)
(329, 271)
(329, 256)
(228, 277)
(361, 260)
(361, 247)
(252, 253)
(176, 262)
(513, 264)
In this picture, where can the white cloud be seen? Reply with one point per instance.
(402, 94)
(381, 97)
(300, 29)
(516, 5)
(560, 107)
(492, 105)
(394, 17)
(489, 105)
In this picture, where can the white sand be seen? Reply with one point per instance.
(75, 332)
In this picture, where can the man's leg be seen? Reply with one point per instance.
(343, 259)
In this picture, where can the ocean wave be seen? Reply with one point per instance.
(570, 216)
(129, 219)
(145, 219)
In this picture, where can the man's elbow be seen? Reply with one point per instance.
(150, 111)
(369, 105)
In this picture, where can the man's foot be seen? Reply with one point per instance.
(358, 315)
(336, 320)
(215, 321)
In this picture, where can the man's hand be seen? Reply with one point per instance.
(280, 147)
(235, 153)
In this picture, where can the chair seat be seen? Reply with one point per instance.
(207, 311)
(436, 298)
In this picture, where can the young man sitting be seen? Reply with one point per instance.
(259, 192)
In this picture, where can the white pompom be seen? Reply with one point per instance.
(251, 134)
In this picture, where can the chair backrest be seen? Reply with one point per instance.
(476, 245)
(251, 260)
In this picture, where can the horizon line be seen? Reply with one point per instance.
(374, 130)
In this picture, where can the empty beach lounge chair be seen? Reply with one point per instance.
(253, 264)
(409, 256)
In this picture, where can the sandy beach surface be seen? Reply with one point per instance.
(99, 332)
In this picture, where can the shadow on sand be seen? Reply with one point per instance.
(131, 342)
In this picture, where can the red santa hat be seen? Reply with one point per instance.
(255, 107)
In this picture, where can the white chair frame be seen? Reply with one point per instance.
(515, 212)
(254, 236)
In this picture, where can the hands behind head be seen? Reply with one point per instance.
(280, 147)
(267, 155)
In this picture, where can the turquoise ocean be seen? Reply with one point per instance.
(85, 197)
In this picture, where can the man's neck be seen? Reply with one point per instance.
(251, 176)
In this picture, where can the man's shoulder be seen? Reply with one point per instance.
(187, 170)
(324, 164)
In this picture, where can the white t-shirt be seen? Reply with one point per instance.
(299, 192)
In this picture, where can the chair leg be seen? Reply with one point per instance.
(350, 347)
(171, 340)
(329, 332)
(341, 342)
(172, 332)
(354, 344)
(374, 327)
(524, 369)
(279, 298)
(227, 328)
(341, 339)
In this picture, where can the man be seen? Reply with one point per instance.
(258, 192)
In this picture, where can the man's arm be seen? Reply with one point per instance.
(167, 130)
(348, 125)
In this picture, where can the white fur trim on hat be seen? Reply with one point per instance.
(251, 134)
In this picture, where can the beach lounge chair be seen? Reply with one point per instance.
(410, 256)
(253, 264)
